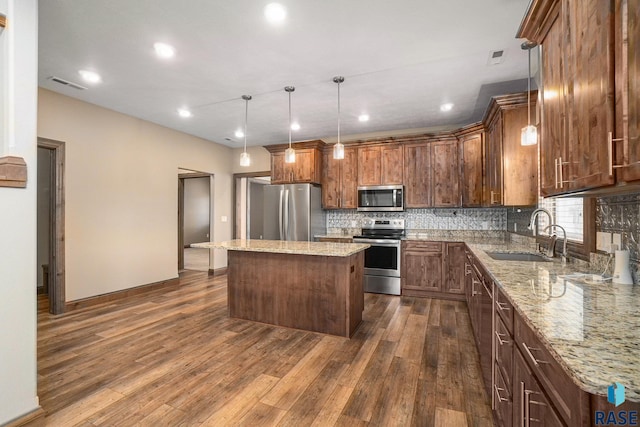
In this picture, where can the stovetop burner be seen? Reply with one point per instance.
(382, 229)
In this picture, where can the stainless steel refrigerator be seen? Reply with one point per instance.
(293, 212)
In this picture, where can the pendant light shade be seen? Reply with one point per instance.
(289, 153)
(529, 134)
(245, 160)
(338, 148)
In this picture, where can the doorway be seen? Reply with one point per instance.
(249, 190)
(195, 210)
(50, 224)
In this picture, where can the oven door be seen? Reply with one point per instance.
(382, 258)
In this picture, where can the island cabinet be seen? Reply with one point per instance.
(471, 159)
(511, 169)
(578, 107)
(340, 179)
(431, 174)
(433, 269)
(306, 169)
(380, 164)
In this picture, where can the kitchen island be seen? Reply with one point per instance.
(315, 286)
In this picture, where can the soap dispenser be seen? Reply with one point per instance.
(621, 272)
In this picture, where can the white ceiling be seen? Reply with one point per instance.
(401, 60)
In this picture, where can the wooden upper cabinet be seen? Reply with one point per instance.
(306, 169)
(417, 175)
(511, 169)
(339, 180)
(380, 164)
(445, 173)
(628, 91)
(579, 86)
(472, 166)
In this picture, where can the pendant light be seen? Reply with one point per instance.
(529, 134)
(338, 148)
(289, 153)
(245, 160)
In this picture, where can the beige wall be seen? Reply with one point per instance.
(260, 160)
(18, 80)
(122, 191)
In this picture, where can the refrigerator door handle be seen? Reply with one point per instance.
(280, 215)
(286, 214)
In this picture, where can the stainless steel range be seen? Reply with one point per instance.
(382, 258)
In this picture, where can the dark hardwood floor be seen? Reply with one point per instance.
(175, 358)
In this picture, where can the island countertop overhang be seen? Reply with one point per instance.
(287, 247)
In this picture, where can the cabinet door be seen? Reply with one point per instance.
(445, 173)
(520, 164)
(369, 165)
(553, 122)
(304, 169)
(391, 166)
(530, 404)
(629, 93)
(349, 179)
(494, 162)
(590, 92)
(454, 275)
(417, 176)
(280, 171)
(422, 270)
(471, 158)
(331, 180)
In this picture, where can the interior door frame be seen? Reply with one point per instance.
(236, 191)
(57, 273)
(181, 178)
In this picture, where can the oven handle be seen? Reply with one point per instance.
(378, 242)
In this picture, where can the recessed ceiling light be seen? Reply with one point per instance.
(363, 118)
(183, 112)
(164, 50)
(90, 76)
(275, 13)
(295, 126)
(239, 133)
(446, 107)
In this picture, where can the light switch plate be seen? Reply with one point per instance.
(616, 240)
(223, 218)
(603, 241)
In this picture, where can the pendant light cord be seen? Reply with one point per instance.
(338, 112)
(529, 92)
(246, 118)
(289, 119)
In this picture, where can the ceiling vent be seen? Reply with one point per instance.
(496, 57)
(66, 83)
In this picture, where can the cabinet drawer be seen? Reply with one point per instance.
(423, 246)
(567, 397)
(503, 399)
(504, 309)
(336, 239)
(504, 351)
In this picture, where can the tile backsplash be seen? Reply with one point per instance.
(494, 219)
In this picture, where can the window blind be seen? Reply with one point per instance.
(567, 212)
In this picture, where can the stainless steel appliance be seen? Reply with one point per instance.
(292, 212)
(382, 258)
(381, 198)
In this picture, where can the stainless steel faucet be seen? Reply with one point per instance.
(564, 244)
(534, 215)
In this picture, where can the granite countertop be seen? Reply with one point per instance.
(592, 329)
(284, 247)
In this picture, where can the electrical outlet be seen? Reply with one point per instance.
(616, 240)
(603, 241)
(515, 227)
(224, 218)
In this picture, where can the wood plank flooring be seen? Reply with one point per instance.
(175, 358)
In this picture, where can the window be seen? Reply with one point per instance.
(568, 212)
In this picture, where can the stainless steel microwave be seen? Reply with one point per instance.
(381, 198)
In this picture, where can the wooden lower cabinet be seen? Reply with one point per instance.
(433, 269)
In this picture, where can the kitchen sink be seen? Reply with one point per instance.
(518, 256)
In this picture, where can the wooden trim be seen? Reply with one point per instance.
(3, 21)
(471, 129)
(57, 268)
(194, 175)
(217, 272)
(13, 172)
(540, 16)
(34, 418)
(180, 223)
(505, 102)
(432, 294)
(316, 143)
(124, 293)
(252, 174)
